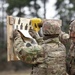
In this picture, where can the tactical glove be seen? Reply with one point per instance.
(16, 33)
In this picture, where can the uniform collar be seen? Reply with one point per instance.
(52, 40)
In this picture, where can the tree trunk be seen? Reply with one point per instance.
(35, 6)
(44, 9)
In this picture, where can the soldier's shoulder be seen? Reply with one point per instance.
(61, 46)
(64, 35)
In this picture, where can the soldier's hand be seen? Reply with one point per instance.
(16, 33)
(33, 33)
(66, 36)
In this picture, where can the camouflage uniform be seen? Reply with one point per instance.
(71, 55)
(49, 55)
(26, 51)
(63, 36)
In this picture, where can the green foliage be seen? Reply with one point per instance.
(36, 7)
(19, 4)
(58, 3)
(66, 11)
(33, 7)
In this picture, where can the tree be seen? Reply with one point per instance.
(33, 8)
(17, 5)
(32, 5)
(66, 10)
(44, 4)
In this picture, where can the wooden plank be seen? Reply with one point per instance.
(10, 52)
(11, 25)
(9, 42)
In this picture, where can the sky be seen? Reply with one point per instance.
(50, 9)
(51, 12)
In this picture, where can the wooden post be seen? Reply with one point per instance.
(11, 23)
(10, 53)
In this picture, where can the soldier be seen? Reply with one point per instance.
(72, 49)
(49, 55)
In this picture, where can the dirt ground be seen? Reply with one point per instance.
(14, 73)
(26, 72)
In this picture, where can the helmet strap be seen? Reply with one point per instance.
(46, 36)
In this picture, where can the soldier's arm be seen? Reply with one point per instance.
(64, 35)
(27, 54)
(36, 37)
(39, 40)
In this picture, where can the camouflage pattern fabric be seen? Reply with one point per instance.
(71, 54)
(71, 58)
(50, 53)
(54, 60)
(50, 28)
(25, 53)
(36, 37)
(64, 35)
(72, 26)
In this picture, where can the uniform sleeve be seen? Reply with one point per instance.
(27, 54)
(64, 35)
(40, 40)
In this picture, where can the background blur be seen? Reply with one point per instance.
(49, 9)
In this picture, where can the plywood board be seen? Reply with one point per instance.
(15, 23)
(23, 24)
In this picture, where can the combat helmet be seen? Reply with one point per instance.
(72, 26)
(72, 30)
(51, 28)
